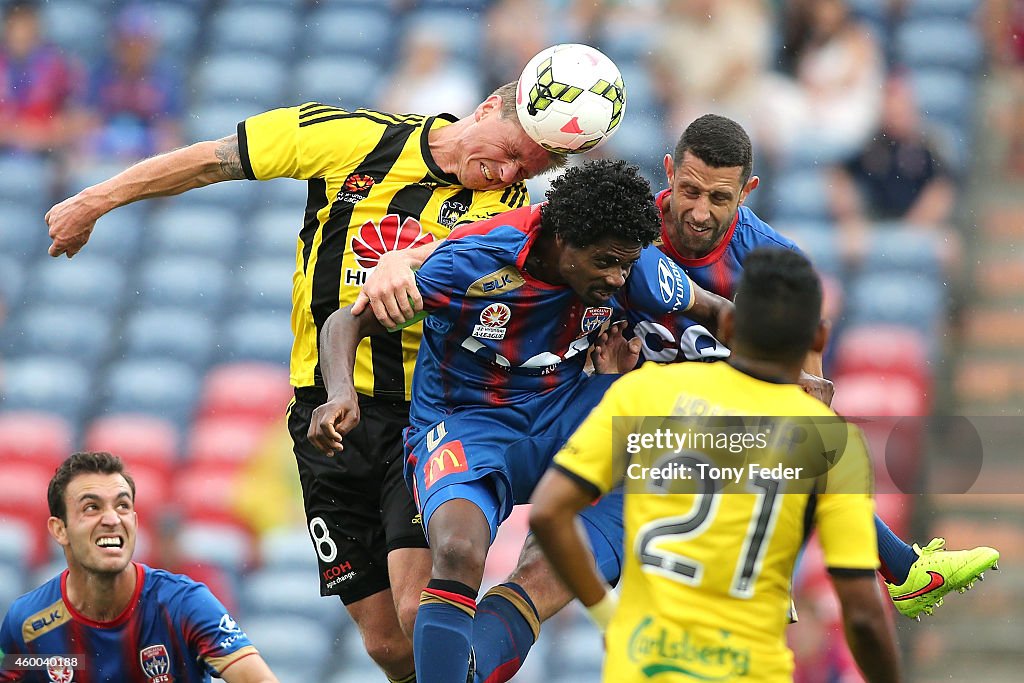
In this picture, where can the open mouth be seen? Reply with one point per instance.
(110, 542)
(699, 229)
(486, 173)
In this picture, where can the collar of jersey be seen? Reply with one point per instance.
(532, 233)
(428, 158)
(710, 257)
(140, 576)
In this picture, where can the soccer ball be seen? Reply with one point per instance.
(570, 98)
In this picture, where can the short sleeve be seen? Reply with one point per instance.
(211, 633)
(435, 278)
(657, 285)
(845, 511)
(297, 142)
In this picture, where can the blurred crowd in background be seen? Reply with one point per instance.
(166, 341)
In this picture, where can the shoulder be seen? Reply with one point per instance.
(26, 606)
(752, 232)
(167, 587)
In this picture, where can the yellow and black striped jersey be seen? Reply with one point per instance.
(709, 559)
(373, 187)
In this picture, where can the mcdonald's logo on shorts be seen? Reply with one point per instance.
(448, 458)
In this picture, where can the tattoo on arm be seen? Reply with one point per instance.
(230, 159)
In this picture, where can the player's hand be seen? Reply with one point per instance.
(818, 387)
(331, 421)
(71, 224)
(391, 291)
(613, 354)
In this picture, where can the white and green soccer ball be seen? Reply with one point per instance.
(570, 98)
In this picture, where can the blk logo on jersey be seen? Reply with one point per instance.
(492, 322)
(449, 459)
(502, 280)
(156, 663)
(594, 317)
(355, 188)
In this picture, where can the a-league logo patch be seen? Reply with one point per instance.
(594, 317)
(356, 188)
(156, 663)
(492, 322)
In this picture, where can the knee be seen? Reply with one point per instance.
(391, 651)
(457, 557)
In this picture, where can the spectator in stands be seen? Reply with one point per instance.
(37, 86)
(897, 176)
(135, 105)
(1004, 32)
(698, 76)
(838, 71)
(516, 30)
(121, 620)
(428, 79)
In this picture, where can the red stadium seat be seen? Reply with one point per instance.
(23, 497)
(43, 439)
(152, 488)
(885, 350)
(868, 394)
(140, 440)
(207, 493)
(253, 390)
(228, 441)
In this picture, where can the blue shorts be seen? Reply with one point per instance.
(494, 458)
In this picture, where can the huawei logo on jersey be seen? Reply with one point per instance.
(376, 238)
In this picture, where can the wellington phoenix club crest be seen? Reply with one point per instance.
(492, 322)
(156, 664)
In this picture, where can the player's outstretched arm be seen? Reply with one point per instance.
(249, 669)
(553, 508)
(707, 307)
(869, 628)
(71, 222)
(391, 290)
(339, 339)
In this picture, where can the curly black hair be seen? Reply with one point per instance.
(601, 199)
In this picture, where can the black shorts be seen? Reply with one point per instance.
(358, 507)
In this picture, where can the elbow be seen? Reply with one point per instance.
(543, 519)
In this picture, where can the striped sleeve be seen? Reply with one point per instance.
(303, 142)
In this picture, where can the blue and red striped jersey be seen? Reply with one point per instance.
(173, 629)
(496, 335)
(676, 338)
